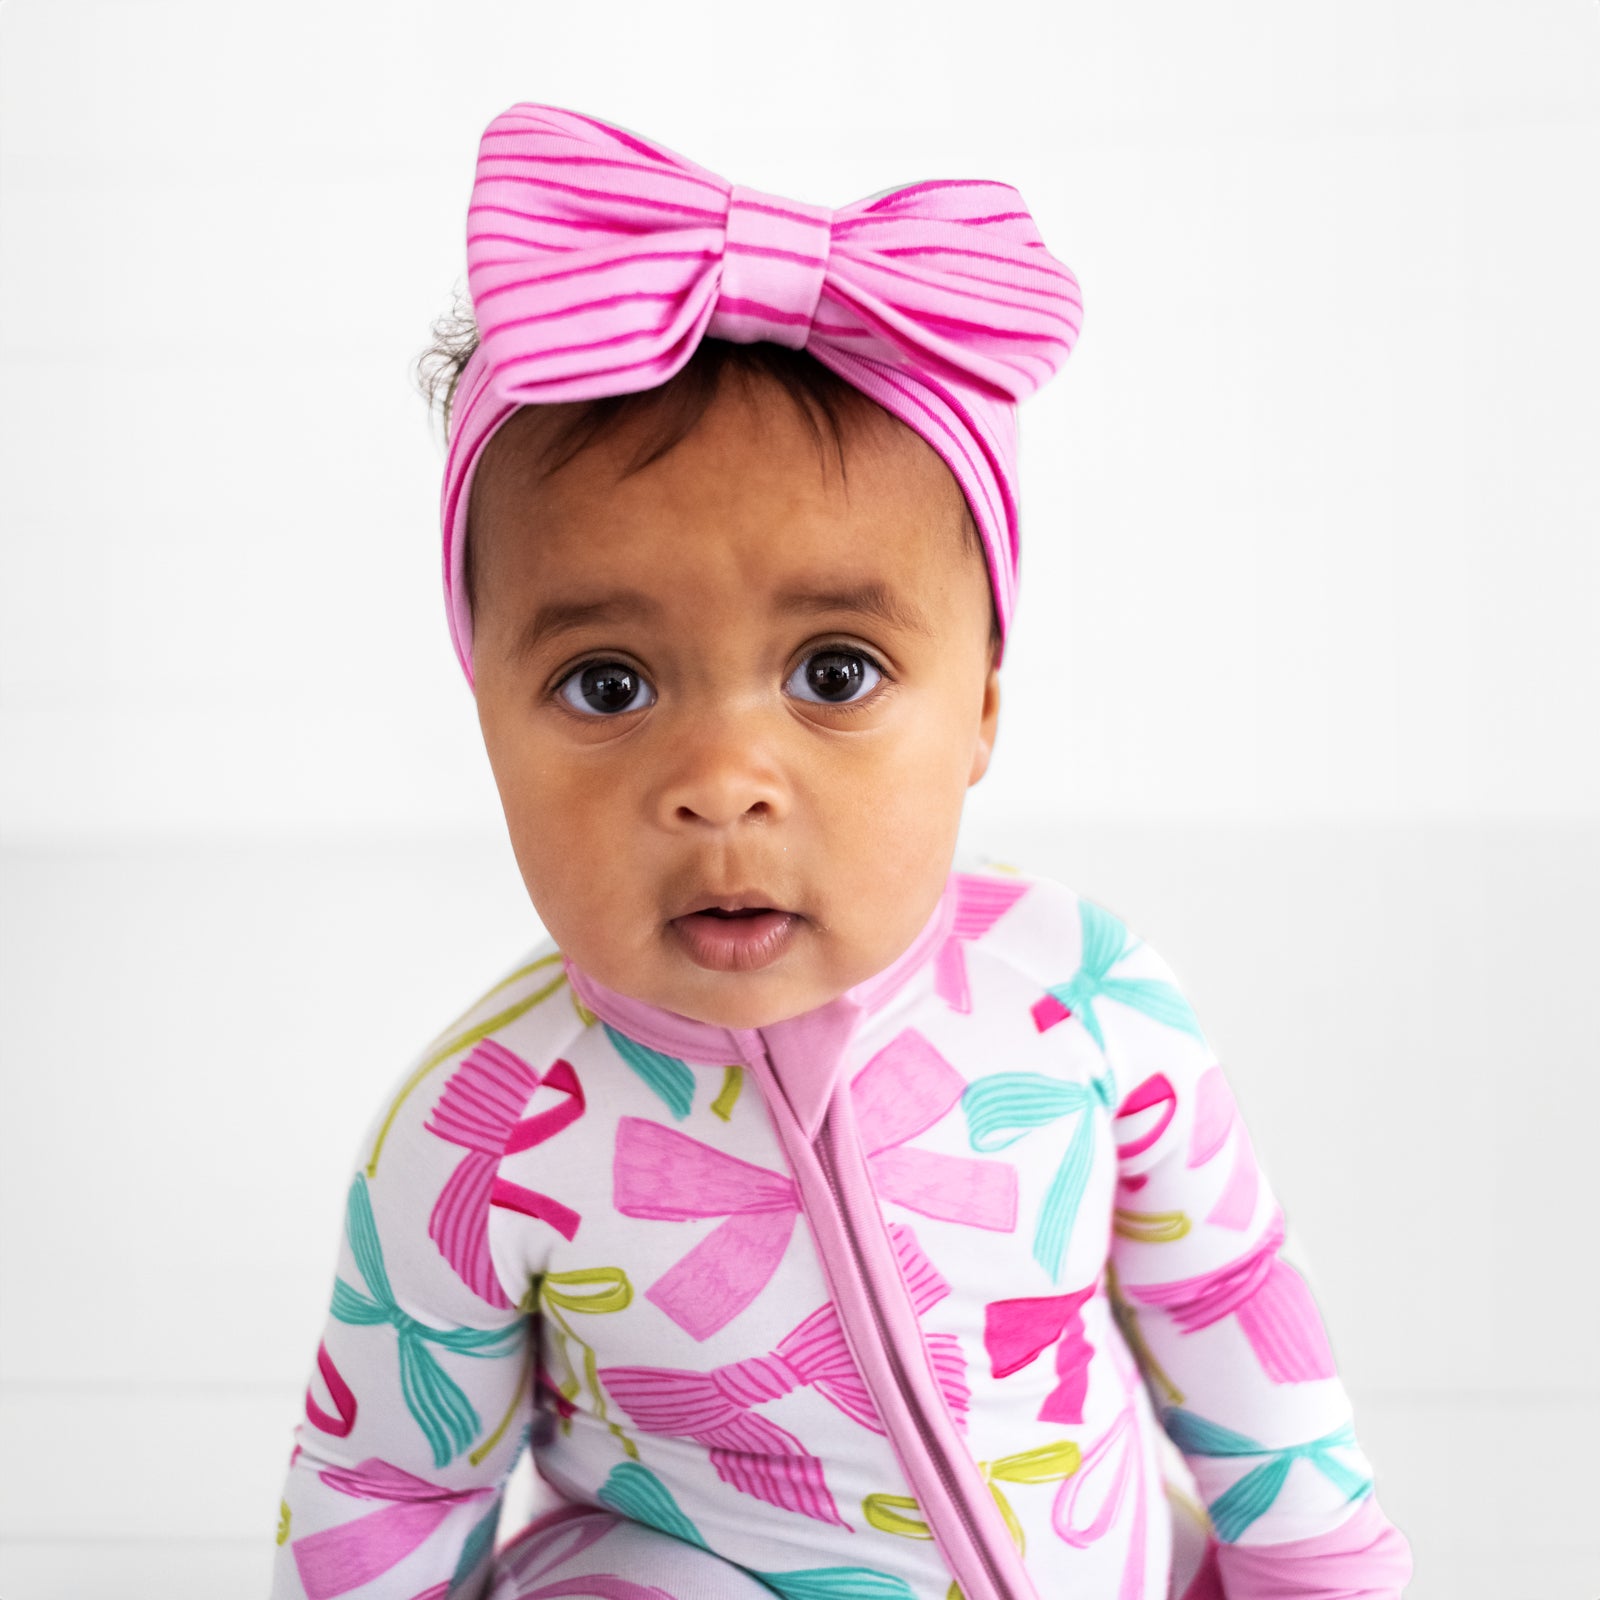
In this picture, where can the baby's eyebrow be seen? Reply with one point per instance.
(870, 598)
(563, 616)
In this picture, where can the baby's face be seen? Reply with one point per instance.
(725, 682)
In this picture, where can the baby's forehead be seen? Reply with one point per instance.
(574, 469)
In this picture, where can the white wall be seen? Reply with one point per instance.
(1304, 682)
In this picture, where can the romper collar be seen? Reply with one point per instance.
(805, 1050)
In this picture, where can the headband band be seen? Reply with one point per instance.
(598, 260)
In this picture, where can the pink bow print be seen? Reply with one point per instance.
(1271, 1301)
(564, 1535)
(1216, 1115)
(336, 1560)
(980, 903)
(754, 1454)
(1016, 1332)
(1128, 1468)
(480, 1109)
(663, 1175)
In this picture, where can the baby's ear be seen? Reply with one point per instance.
(988, 724)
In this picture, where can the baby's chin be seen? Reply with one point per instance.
(668, 978)
(746, 1000)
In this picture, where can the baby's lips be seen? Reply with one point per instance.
(734, 900)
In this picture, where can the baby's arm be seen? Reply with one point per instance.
(418, 1405)
(1231, 1342)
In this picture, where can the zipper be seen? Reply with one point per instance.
(931, 1447)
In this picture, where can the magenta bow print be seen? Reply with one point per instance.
(661, 1174)
(1267, 1295)
(980, 903)
(1017, 1332)
(344, 1400)
(336, 1560)
(751, 1452)
(1141, 1120)
(481, 1110)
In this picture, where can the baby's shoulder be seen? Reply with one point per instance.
(1081, 959)
(483, 1067)
(1035, 923)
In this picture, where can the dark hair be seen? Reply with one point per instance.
(672, 409)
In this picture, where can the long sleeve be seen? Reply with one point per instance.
(1229, 1337)
(418, 1404)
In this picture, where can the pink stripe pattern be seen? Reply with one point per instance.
(597, 261)
(1271, 1301)
(480, 1109)
(754, 1454)
(980, 903)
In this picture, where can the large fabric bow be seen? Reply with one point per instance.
(752, 1453)
(597, 260)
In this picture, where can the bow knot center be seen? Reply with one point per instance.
(774, 258)
(761, 1378)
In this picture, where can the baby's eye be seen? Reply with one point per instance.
(834, 676)
(606, 687)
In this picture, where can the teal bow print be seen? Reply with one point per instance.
(637, 1493)
(667, 1076)
(1001, 1108)
(1241, 1503)
(1105, 942)
(432, 1396)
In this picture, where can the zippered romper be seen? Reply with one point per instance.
(889, 1301)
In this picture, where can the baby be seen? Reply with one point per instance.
(825, 1220)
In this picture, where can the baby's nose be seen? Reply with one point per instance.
(720, 774)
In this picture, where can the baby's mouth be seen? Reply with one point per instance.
(735, 936)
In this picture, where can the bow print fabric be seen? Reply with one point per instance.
(753, 1453)
(443, 1412)
(1271, 1301)
(353, 1553)
(481, 1109)
(636, 1492)
(1105, 943)
(980, 903)
(1004, 1107)
(598, 259)
(1017, 1332)
(1252, 1495)
(663, 1175)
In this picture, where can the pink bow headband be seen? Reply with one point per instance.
(597, 261)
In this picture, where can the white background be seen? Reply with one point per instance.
(1304, 682)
